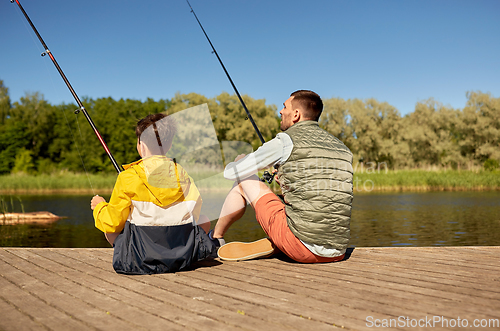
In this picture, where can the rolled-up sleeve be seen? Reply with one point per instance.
(273, 152)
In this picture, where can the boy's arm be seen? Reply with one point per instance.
(111, 217)
(95, 201)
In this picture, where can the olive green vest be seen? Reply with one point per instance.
(316, 181)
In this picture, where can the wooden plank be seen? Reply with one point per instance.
(431, 276)
(197, 301)
(321, 287)
(62, 289)
(129, 305)
(229, 306)
(371, 297)
(75, 302)
(452, 256)
(231, 298)
(12, 318)
(36, 300)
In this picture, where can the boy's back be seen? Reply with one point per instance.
(154, 213)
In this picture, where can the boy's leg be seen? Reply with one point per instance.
(110, 237)
(204, 223)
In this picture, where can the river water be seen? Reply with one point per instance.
(378, 219)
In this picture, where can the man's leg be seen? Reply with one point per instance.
(271, 215)
(248, 191)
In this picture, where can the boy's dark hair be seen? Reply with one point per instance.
(143, 124)
(310, 102)
(159, 138)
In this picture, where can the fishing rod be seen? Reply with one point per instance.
(82, 108)
(229, 77)
(267, 176)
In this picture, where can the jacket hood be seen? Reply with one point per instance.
(166, 180)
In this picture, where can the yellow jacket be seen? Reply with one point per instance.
(154, 191)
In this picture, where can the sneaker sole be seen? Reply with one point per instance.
(239, 251)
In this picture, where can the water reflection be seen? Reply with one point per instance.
(426, 219)
(389, 219)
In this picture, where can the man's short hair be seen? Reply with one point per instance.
(309, 102)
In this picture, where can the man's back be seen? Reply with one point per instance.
(316, 181)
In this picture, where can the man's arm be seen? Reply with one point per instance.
(275, 151)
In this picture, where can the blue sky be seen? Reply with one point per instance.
(400, 52)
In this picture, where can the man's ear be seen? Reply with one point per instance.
(296, 115)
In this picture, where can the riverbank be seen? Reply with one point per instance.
(365, 181)
(422, 180)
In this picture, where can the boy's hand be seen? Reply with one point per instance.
(95, 201)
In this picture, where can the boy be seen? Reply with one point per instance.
(153, 216)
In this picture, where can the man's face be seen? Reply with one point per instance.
(286, 114)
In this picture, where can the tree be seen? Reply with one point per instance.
(4, 103)
(336, 118)
(23, 162)
(14, 136)
(230, 119)
(430, 133)
(39, 117)
(371, 129)
(478, 128)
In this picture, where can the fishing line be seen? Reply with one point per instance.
(78, 149)
(75, 96)
(249, 116)
(266, 176)
(48, 74)
(30, 32)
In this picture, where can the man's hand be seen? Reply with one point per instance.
(275, 172)
(95, 201)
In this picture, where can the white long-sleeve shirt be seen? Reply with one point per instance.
(271, 153)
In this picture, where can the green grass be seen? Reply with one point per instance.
(57, 182)
(82, 183)
(396, 180)
(422, 180)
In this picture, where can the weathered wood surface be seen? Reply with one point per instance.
(77, 289)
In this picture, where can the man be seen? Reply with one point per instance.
(314, 171)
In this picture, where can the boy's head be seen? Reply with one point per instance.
(155, 132)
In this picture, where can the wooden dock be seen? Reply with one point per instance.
(405, 288)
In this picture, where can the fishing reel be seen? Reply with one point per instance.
(267, 177)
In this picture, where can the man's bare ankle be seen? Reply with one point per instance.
(217, 235)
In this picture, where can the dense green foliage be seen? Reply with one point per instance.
(39, 138)
(36, 137)
(432, 135)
